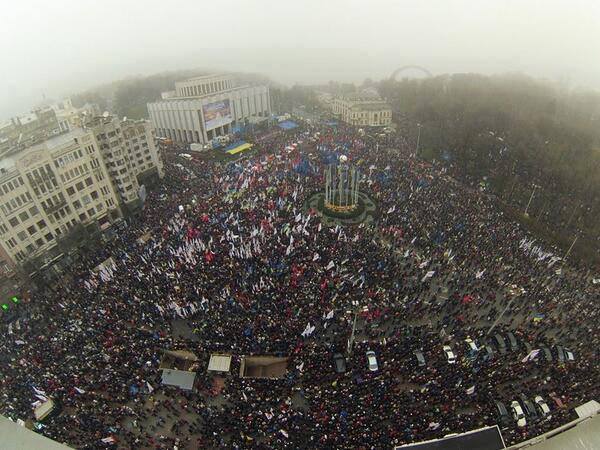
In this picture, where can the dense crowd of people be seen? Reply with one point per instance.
(226, 258)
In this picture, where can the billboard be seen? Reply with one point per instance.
(216, 114)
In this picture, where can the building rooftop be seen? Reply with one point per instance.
(206, 77)
(8, 162)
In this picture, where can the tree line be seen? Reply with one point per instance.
(512, 135)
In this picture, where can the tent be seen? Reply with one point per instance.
(179, 368)
(219, 363)
(272, 367)
(287, 125)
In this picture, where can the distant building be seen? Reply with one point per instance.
(366, 110)
(88, 176)
(23, 131)
(203, 108)
(70, 117)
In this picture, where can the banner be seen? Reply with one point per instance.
(217, 114)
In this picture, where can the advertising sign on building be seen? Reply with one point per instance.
(217, 114)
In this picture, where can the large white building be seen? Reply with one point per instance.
(358, 110)
(85, 176)
(203, 108)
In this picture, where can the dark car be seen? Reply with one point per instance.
(420, 358)
(339, 363)
(528, 407)
(564, 354)
(499, 340)
(546, 352)
(488, 352)
(504, 418)
(512, 342)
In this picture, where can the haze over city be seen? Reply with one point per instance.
(320, 224)
(58, 49)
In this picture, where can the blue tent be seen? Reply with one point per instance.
(287, 125)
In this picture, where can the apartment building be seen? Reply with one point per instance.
(49, 188)
(90, 175)
(130, 154)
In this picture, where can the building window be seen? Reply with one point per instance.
(22, 236)
(31, 230)
(23, 216)
(70, 190)
(39, 242)
(79, 186)
(88, 181)
(13, 222)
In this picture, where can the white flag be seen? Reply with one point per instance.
(478, 275)
(330, 265)
(284, 433)
(531, 356)
(329, 316)
(428, 275)
(81, 391)
(316, 257)
(471, 390)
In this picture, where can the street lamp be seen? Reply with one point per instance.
(418, 139)
(535, 186)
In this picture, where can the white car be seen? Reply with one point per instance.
(450, 356)
(542, 406)
(372, 361)
(518, 414)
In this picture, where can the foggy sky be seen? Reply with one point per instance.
(64, 46)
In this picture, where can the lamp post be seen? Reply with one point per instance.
(535, 186)
(418, 140)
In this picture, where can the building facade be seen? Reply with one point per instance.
(48, 189)
(368, 111)
(88, 176)
(203, 108)
(129, 152)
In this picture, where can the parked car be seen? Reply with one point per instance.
(488, 352)
(499, 340)
(542, 407)
(420, 358)
(546, 352)
(528, 407)
(564, 354)
(471, 348)
(339, 363)
(450, 356)
(512, 342)
(503, 415)
(372, 361)
(518, 414)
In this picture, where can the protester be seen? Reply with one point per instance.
(235, 263)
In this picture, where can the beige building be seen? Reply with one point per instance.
(49, 188)
(88, 176)
(130, 154)
(367, 111)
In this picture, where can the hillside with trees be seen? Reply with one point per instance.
(513, 134)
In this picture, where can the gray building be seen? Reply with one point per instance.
(203, 108)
